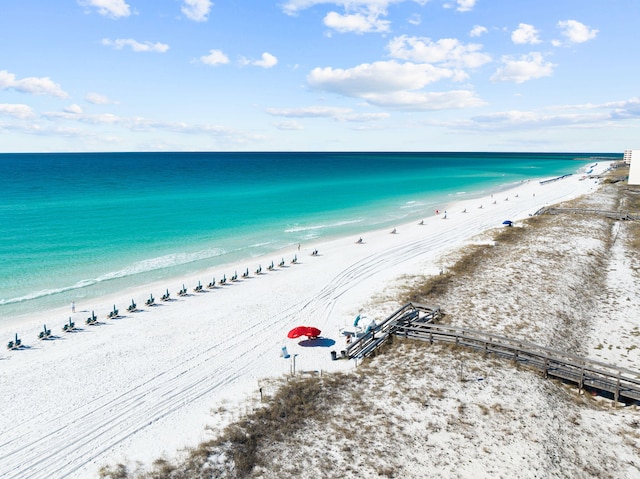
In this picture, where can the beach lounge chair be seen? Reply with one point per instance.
(91, 321)
(45, 333)
(294, 260)
(235, 276)
(113, 314)
(198, 288)
(165, 296)
(223, 280)
(246, 273)
(270, 267)
(150, 301)
(183, 291)
(281, 264)
(212, 284)
(259, 270)
(70, 326)
(15, 344)
(132, 307)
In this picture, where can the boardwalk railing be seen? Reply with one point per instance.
(416, 321)
(410, 313)
(616, 215)
(622, 383)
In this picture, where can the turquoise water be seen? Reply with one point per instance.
(76, 226)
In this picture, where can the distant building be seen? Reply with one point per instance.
(633, 158)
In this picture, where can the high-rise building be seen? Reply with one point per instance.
(633, 158)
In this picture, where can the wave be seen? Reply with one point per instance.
(412, 205)
(298, 229)
(145, 266)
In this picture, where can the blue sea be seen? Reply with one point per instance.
(77, 226)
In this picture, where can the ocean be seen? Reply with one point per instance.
(77, 226)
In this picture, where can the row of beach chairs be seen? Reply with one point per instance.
(70, 326)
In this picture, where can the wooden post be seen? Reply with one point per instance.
(546, 367)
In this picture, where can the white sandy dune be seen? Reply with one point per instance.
(143, 385)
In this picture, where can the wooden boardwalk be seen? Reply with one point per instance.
(408, 314)
(418, 322)
(615, 215)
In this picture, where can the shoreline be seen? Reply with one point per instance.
(108, 278)
(164, 368)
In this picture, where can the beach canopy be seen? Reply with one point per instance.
(307, 331)
(507, 222)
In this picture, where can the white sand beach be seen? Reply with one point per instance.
(143, 385)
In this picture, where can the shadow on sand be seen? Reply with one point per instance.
(317, 342)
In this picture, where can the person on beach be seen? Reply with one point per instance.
(73, 306)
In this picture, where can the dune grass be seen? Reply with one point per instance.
(299, 429)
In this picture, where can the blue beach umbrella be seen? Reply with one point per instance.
(507, 222)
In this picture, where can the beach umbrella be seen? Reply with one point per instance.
(312, 332)
(308, 331)
(507, 222)
(297, 332)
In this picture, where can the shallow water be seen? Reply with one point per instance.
(77, 226)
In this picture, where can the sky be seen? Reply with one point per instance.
(319, 75)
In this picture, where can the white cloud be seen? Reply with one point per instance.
(136, 46)
(215, 57)
(525, 34)
(336, 113)
(196, 10)
(108, 8)
(73, 109)
(378, 77)
(360, 16)
(16, 110)
(292, 7)
(528, 120)
(447, 51)
(32, 85)
(365, 117)
(100, 119)
(267, 61)
(526, 68)
(393, 85)
(627, 109)
(426, 101)
(477, 31)
(98, 99)
(356, 23)
(309, 112)
(415, 19)
(576, 32)
(291, 125)
(465, 5)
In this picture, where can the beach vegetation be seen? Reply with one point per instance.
(423, 404)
